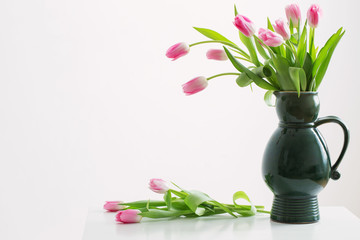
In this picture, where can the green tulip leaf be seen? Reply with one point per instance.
(261, 50)
(291, 26)
(272, 78)
(235, 11)
(269, 25)
(158, 213)
(268, 98)
(176, 192)
(282, 65)
(195, 198)
(312, 51)
(179, 204)
(223, 207)
(263, 71)
(167, 198)
(241, 68)
(325, 49)
(144, 203)
(282, 49)
(213, 35)
(302, 47)
(290, 56)
(242, 195)
(243, 80)
(181, 194)
(322, 61)
(308, 65)
(298, 77)
(294, 39)
(248, 42)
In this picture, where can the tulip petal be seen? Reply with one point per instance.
(313, 15)
(293, 12)
(195, 85)
(216, 54)
(158, 185)
(128, 216)
(178, 50)
(245, 25)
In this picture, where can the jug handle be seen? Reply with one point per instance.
(335, 175)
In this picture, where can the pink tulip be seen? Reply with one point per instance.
(270, 38)
(293, 12)
(158, 185)
(113, 206)
(128, 216)
(281, 28)
(178, 50)
(245, 25)
(313, 15)
(216, 54)
(195, 85)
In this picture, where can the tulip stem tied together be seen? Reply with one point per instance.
(290, 59)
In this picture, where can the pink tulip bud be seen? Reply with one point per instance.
(270, 38)
(195, 85)
(293, 12)
(313, 15)
(128, 216)
(113, 206)
(178, 50)
(282, 28)
(158, 185)
(245, 25)
(216, 54)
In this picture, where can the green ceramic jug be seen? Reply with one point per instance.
(296, 163)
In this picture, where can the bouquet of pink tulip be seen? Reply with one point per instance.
(291, 61)
(187, 203)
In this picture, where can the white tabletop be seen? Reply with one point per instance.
(335, 223)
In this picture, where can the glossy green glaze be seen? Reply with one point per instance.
(296, 162)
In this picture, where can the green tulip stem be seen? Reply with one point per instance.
(233, 209)
(242, 52)
(222, 74)
(291, 49)
(267, 47)
(243, 59)
(179, 194)
(311, 43)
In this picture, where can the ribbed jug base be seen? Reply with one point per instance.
(295, 210)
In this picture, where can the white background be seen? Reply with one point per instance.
(91, 109)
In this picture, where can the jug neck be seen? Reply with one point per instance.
(294, 109)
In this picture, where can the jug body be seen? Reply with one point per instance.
(296, 162)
